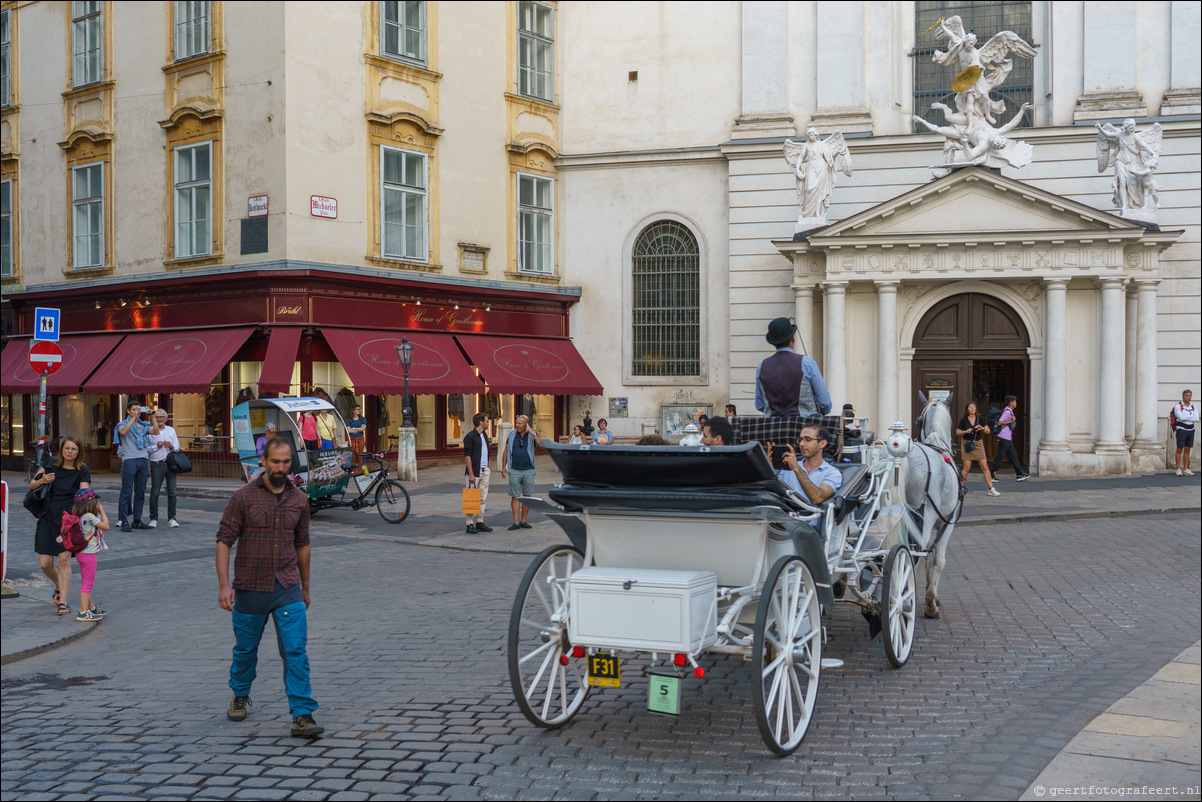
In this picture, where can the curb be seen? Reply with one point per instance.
(1043, 517)
(45, 647)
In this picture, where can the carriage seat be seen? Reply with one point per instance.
(856, 482)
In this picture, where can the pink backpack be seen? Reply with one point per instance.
(72, 537)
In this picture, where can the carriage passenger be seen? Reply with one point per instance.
(811, 476)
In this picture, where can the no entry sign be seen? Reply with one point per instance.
(45, 357)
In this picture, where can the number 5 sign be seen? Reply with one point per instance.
(46, 324)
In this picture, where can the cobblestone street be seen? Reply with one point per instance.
(1044, 627)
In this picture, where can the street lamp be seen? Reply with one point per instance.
(405, 352)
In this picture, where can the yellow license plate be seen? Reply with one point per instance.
(604, 670)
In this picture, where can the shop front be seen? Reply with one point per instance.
(198, 347)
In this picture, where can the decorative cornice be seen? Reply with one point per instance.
(96, 135)
(523, 148)
(416, 120)
(197, 110)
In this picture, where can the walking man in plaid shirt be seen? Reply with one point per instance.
(269, 520)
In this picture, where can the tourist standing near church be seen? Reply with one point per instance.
(1185, 421)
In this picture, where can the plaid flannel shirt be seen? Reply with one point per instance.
(268, 529)
(787, 430)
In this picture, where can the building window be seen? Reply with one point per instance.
(403, 199)
(191, 28)
(536, 224)
(6, 61)
(87, 38)
(666, 308)
(194, 200)
(88, 230)
(536, 51)
(6, 229)
(932, 82)
(403, 30)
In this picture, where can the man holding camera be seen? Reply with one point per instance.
(133, 438)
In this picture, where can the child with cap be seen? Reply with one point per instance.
(94, 523)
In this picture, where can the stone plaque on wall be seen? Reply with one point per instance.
(254, 235)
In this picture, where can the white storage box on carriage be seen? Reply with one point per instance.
(643, 609)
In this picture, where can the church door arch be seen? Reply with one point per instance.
(976, 347)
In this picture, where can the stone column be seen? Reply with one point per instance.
(1147, 435)
(1129, 369)
(887, 353)
(1110, 374)
(803, 313)
(835, 363)
(1055, 387)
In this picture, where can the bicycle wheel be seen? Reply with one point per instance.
(392, 501)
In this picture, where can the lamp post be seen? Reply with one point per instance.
(405, 352)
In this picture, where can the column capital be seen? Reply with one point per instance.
(799, 289)
(887, 286)
(1055, 283)
(1146, 284)
(1112, 282)
(835, 286)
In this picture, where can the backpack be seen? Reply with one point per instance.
(1173, 418)
(72, 537)
(995, 415)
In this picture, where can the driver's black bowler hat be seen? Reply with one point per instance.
(780, 331)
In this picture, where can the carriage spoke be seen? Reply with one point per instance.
(536, 652)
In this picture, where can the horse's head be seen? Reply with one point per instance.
(934, 426)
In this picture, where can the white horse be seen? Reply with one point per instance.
(934, 491)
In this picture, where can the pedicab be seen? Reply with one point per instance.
(325, 474)
(678, 552)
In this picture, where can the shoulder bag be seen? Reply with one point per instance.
(37, 500)
(178, 462)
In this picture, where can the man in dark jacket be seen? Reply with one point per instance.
(788, 383)
(475, 457)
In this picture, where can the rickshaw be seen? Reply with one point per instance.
(324, 474)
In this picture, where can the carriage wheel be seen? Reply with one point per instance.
(898, 605)
(548, 691)
(786, 655)
(392, 501)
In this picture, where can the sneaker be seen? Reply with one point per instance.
(140, 525)
(514, 527)
(483, 527)
(525, 525)
(126, 527)
(1179, 472)
(1188, 472)
(153, 523)
(305, 727)
(88, 615)
(173, 524)
(993, 492)
(98, 612)
(237, 711)
(471, 529)
(1023, 477)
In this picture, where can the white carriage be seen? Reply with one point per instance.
(678, 552)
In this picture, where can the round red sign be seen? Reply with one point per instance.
(45, 357)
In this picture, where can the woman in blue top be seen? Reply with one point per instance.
(356, 427)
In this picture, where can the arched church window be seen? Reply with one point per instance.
(932, 82)
(666, 307)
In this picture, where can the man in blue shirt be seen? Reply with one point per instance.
(788, 383)
(134, 451)
(812, 477)
(517, 463)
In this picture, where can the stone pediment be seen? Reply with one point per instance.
(973, 202)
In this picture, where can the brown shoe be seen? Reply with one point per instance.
(305, 727)
(237, 711)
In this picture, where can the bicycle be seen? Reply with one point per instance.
(388, 496)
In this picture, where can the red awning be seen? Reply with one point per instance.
(81, 355)
(181, 361)
(276, 376)
(538, 367)
(371, 361)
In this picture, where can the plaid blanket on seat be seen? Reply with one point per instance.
(787, 430)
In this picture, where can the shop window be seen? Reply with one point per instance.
(536, 51)
(87, 42)
(666, 303)
(403, 30)
(12, 426)
(536, 224)
(192, 21)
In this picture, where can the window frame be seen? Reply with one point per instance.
(88, 202)
(6, 58)
(536, 211)
(641, 370)
(405, 190)
(187, 28)
(190, 186)
(530, 72)
(91, 24)
(402, 26)
(8, 251)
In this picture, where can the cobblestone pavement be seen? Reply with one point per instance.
(1044, 627)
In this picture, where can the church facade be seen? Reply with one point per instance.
(680, 218)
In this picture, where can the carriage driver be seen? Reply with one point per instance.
(788, 383)
(812, 477)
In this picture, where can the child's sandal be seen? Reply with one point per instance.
(64, 609)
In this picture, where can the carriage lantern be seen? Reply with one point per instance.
(405, 352)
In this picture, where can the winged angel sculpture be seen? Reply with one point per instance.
(973, 134)
(815, 162)
(1134, 157)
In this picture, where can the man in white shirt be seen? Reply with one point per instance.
(811, 476)
(159, 446)
(1186, 415)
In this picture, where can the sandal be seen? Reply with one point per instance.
(56, 598)
(64, 609)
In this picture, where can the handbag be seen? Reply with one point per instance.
(970, 445)
(37, 500)
(471, 500)
(178, 462)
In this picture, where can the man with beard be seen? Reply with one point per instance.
(269, 520)
(811, 476)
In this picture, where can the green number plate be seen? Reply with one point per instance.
(604, 670)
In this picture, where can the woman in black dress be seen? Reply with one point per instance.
(972, 429)
(67, 475)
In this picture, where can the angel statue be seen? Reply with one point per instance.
(814, 164)
(986, 67)
(1134, 157)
